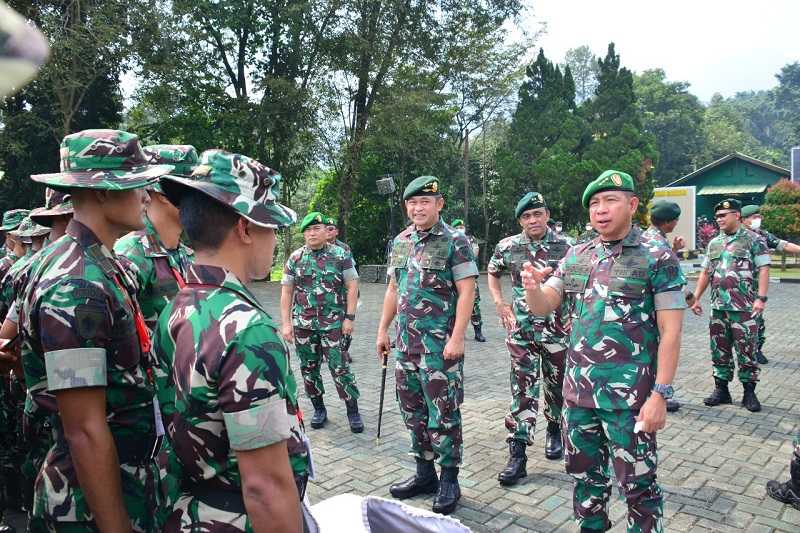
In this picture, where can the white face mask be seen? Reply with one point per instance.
(755, 223)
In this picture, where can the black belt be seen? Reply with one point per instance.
(137, 451)
(230, 499)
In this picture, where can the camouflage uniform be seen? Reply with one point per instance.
(319, 278)
(773, 243)
(733, 263)
(613, 292)
(343, 246)
(430, 389)
(538, 345)
(475, 318)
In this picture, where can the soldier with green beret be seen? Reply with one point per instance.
(616, 382)
(537, 344)
(475, 319)
(319, 294)
(86, 349)
(333, 234)
(751, 217)
(736, 266)
(431, 293)
(233, 417)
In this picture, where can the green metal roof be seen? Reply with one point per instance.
(732, 189)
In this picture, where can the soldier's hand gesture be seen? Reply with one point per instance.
(532, 277)
(454, 349)
(696, 308)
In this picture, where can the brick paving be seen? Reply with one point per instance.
(714, 462)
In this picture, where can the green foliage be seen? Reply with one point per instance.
(585, 69)
(781, 210)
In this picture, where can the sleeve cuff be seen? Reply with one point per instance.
(465, 270)
(781, 245)
(350, 274)
(13, 313)
(259, 426)
(287, 279)
(76, 368)
(674, 299)
(762, 260)
(557, 284)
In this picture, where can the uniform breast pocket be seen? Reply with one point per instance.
(433, 262)
(124, 351)
(625, 301)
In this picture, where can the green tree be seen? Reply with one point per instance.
(787, 100)
(585, 70)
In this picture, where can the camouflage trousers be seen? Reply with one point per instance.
(762, 333)
(729, 331)
(315, 346)
(592, 437)
(533, 363)
(12, 448)
(430, 390)
(475, 319)
(38, 439)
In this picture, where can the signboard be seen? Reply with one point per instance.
(687, 224)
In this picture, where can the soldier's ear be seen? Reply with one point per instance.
(242, 229)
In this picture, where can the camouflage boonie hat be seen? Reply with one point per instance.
(28, 228)
(183, 157)
(56, 203)
(13, 218)
(238, 181)
(103, 159)
(422, 186)
(23, 49)
(312, 219)
(610, 180)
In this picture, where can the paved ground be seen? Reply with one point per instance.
(713, 462)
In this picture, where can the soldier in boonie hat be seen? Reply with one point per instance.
(56, 204)
(183, 158)
(29, 229)
(23, 49)
(13, 218)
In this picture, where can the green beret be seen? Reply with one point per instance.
(750, 210)
(531, 200)
(729, 203)
(610, 180)
(330, 221)
(314, 217)
(422, 186)
(665, 211)
(457, 222)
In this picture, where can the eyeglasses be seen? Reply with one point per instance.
(722, 215)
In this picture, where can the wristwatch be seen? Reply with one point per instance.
(666, 391)
(350, 317)
(762, 298)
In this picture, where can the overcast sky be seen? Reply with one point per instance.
(717, 46)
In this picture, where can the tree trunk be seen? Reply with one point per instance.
(466, 177)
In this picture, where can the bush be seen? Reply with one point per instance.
(784, 192)
(781, 210)
(706, 231)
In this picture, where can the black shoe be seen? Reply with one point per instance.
(788, 492)
(673, 405)
(517, 461)
(720, 395)
(761, 359)
(553, 444)
(449, 492)
(749, 399)
(354, 417)
(478, 335)
(5, 528)
(423, 482)
(320, 413)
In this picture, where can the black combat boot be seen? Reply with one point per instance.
(720, 395)
(354, 417)
(320, 413)
(553, 445)
(478, 334)
(788, 492)
(673, 405)
(449, 492)
(749, 399)
(517, 463)
(423, 482)
(6, 528)
(761, 359)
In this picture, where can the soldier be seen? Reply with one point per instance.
(736, 266)
(788, 491)
(537, 345)
(86, 349)
(319, 293)
(333, 234)
(589, 234)
(751, 217)
(431, 290)
(31, 237)
(625, 296)
(13, 245)
(236, 430)
(475, 319)
(664, 217)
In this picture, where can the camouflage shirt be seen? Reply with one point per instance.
(343, 246)
(509, 255)
(319, 278)
(154, 267)
(230, 384)
(77, 321)
(773, 242)
(613, 292)
(7, 284)
(6, 263)
(733, 263)
(425, 266)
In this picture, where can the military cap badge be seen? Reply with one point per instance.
(617, 180)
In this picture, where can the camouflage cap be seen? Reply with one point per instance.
(56, 203)
(23, 49)
(665, 211)
(729, 203)
(238, 181)
(29, 228)
(13, 218)
(750, 210)
(531, 200)
(103, 159)
(312, 219)
(422, 186)
(610, 180)
(183, 157)
(457, 222)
